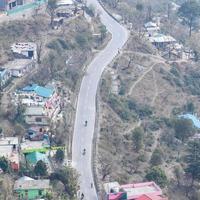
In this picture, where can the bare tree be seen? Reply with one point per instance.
(39, 51)
(105, 166)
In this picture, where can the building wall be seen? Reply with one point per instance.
(31, 194)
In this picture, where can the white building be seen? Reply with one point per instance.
(25, 50)
(151, 28)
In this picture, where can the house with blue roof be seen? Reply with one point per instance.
(35, 95)
(36, 98)
(5, 76)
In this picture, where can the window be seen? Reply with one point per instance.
(38, 119)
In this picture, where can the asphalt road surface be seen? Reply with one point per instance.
(86, 108)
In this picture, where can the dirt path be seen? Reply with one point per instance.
(156, 57)
(156, 89)
(143, 75)
(132, 127)
(155, 144)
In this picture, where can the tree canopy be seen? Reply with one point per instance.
(51, 7)
(193, 160)
(40, 168)
(158, 175)
(157, 157)
(59, 155)
(183, 128)
(69, 178)
(138, 137)
(4, 165)
(190, 11)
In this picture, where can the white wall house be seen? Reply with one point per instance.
(25, 50)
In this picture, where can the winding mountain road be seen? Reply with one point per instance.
(86, 105)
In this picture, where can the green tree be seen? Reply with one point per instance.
(40, 168)
(4, 165)
(158, 175)
(59, 155)
(157, 157)
(68, 176)
(195, 46)
(82, 39)
(190, 11)
(193, 160)
(90, 10)
(183, 129)
(189, 107)
(51, 9)
(103, 32)
(138, 138)
(139, 7)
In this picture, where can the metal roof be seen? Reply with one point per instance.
(31, 184)
(39, 90)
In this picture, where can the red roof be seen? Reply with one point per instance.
(150, 197)
(115, 196)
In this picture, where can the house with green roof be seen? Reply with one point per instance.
(31, 189)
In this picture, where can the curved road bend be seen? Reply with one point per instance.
(86, 108)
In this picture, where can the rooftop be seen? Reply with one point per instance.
(39, 90)
(64, 2)
(150, 197)
(7, 152)
(31, 145)
(23, 184)
(132, 190)
(160, 38)
(8, 141)
(34, 157)
(150, 24)
(23, 46)
(17, 63)
(34, 110)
